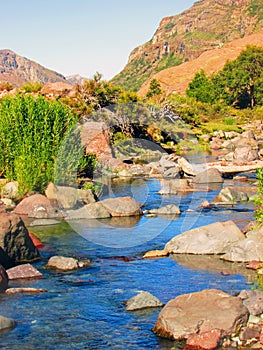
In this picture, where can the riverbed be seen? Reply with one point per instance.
(84, 309)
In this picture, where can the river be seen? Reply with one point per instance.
(84, 309)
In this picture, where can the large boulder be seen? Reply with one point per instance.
(210, 239)
(38, 206)
(15, 241)
(248, 249)
(89, 211)
(68, 197)
(201, 312)
(122, 206)
(3, 279)
(143, 300)
(95, 136)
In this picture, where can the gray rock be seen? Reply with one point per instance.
(200, 312)
(143, 300)
(15, 242)
(10, 190)
(209, 176)
(249, 249)
(170, 209)
(174, 186)
(211, 239)
(6, 323)
(89, 211)
(253, 300)
(66, 264)
(245, 154)
(68, 197)
(185, 166)
(235, 194)
(63, 263)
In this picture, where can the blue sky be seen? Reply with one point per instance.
(82, 36)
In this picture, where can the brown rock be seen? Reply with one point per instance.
(254, 265)
(23, 271)
(58, 89)
(205, 341)
(248, 333)
(95, 137)
(122, 206)
(24, 290)
(3, 279)
(37, 206)
(156, 254)
(201, 312)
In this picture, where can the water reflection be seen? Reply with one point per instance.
(214, 264)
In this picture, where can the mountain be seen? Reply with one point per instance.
(207, 25)
(176, 79)
(19, 70)
(75, 79)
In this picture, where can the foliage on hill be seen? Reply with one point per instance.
(238, 84)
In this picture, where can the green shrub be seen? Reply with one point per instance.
(31, 131)
(259, 200)
(32, 87)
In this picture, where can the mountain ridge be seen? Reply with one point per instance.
(176, 79)
(207, 25)
(19, 70)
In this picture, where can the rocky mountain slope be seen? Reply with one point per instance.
(207, 25)
(176, 79)
(19, 70)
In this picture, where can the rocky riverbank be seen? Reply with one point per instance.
(232, 321)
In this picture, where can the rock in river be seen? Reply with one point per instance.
(210, 239)
(15, 242)
(201, 312)
(143, 300)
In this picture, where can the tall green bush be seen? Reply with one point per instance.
(31, 131)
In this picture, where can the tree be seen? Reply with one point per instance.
(240, 81)
(97, 93)
(201, 88)
(154, 89)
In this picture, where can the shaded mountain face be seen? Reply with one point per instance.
(19, 70)
(207, 25)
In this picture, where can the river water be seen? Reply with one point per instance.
(84, 309)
